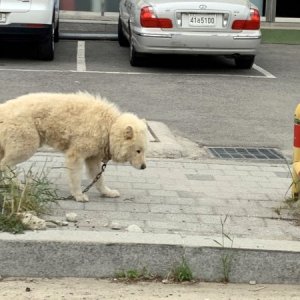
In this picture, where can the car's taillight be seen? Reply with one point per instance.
(252, 23)
(149, 19)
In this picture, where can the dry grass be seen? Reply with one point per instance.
(23, 192)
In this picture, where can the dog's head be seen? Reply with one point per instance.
(128, 140)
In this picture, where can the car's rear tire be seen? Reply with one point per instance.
(135, 58)
(56, 32)
(244, 61)
(123, 42)
(46, 46)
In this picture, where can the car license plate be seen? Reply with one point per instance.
(202, 20)
(2, 18)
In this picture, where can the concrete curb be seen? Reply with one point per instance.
(57, 253)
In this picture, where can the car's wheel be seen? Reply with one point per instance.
(123, 42)
(244, 61)
(46, 46)
(56, 32)
(135, 57)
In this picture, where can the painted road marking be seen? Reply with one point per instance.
(263, 71)
(81, 65)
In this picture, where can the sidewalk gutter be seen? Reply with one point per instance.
(88, 36)
(55, 253)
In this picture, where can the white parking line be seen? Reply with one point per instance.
(81, 68)
(263, 71)
(81, 65)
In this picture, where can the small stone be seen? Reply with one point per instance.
(115, 226)
(50, 225)
(134, 228)
(64, 223)
(165, 281)
(28, 289)
(72, 217)
(32, 222)
(252, 282)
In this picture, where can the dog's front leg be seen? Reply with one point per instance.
(93, 168)
(74, 165)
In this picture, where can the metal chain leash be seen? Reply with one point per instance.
(90, 185)
(95, 179)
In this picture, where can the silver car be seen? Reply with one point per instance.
(214, 27)
(36, 21)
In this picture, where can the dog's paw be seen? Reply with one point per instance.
(111, 193)
(81, 197)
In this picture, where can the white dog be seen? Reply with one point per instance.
(87, 129)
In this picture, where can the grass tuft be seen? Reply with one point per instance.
(23, 192)
(135, 275)
(12, 224)
(182, 272)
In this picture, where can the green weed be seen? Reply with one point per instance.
(227, 256)
(181, 272)
(23, 192)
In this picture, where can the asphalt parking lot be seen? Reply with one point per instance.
(205, 99)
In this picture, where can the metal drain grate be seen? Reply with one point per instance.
(245, 153)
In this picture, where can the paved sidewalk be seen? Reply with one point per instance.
(183, 196)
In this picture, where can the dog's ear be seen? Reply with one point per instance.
(128, 133)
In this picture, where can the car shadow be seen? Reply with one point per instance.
(188, 63)
(18, 51)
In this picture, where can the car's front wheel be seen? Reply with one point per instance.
(244, 61)
(46, 46)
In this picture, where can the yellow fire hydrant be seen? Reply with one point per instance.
(296, 156)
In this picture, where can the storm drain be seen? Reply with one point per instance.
(246, 153)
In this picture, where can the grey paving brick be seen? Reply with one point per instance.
(247, 168)
(167, 225)
(101, 206)
(193, 165)
(210, 172)
(182, 218)
(200, 177)
(130, 179)
(189, 194)
(163, 193)
(179, 201)
(283, 174)
(164, 208)
(178, 188)
(200, 210)
(132, 207)
(212, 219)
(70, 204)
(228, 177)
(146, 186)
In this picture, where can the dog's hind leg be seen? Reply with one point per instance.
(20, 146)
(93, 168)
(74, 163)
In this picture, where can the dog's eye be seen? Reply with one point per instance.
(138, 151)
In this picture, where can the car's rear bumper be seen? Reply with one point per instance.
(24, 32)
(197, 43)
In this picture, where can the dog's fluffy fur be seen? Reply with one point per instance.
(87, 129)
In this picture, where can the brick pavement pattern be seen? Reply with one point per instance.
(188, 197)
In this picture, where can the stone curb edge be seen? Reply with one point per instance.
(59, 253)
